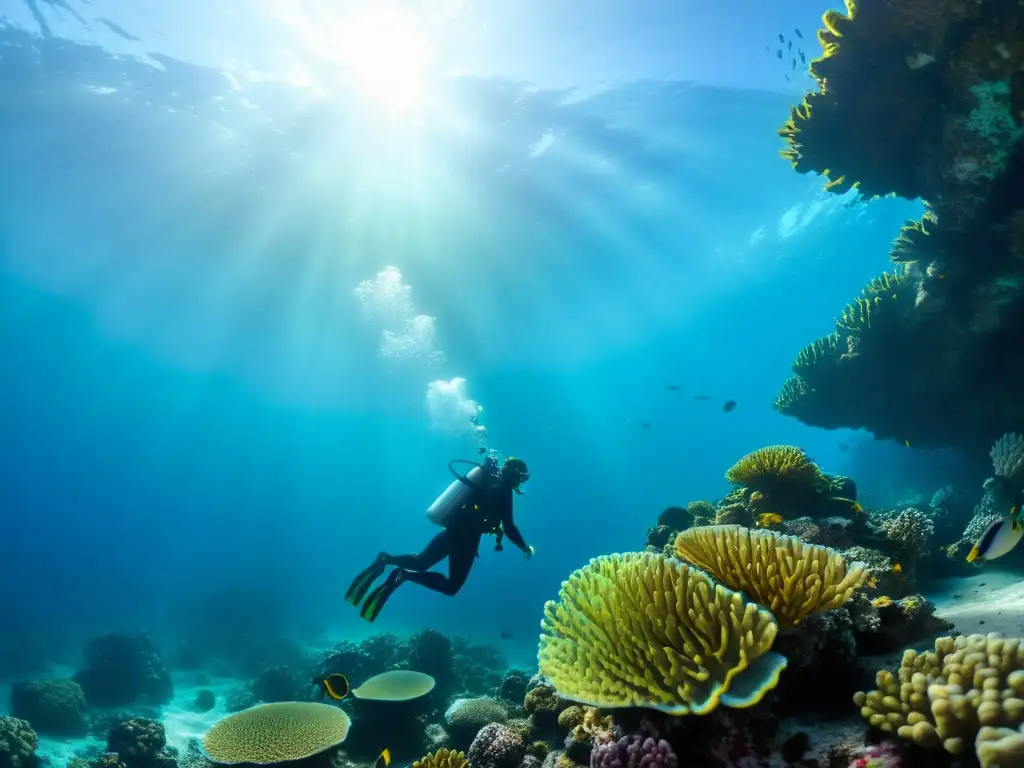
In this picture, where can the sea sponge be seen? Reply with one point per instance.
(443, 758)
(644, 630)
(943, 697)
(774, 466)
(571, 717)
(791, 578)
(276, 733)
(1008, 456)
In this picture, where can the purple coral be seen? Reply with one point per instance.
(496, 746)
(638, 750)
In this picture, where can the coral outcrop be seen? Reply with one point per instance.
(642, 630)
(122, 669)
(56, 707)
(18, 743)
(926, 101)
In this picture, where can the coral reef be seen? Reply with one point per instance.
(442, 758)
(205, 700)
(942, 698)
(635, 751)
(56, 707)
(140, 743)
(924, 102)
(790, 578)
(496, 746)
(18, 743)
(465, 717)
(274, 733)
(642, 630)
(122, 670)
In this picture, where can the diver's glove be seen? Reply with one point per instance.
(529, 552)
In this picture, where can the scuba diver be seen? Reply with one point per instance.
(477, 503)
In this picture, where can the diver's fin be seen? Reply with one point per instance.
(375, 602)
(362, 582)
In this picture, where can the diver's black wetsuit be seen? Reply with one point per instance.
(488, 511)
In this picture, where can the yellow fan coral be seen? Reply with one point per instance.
(773, 466)
(790, 577)
(644, 630)
(443, 758)
(943, 697)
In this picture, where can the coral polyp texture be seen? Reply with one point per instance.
(276, 733)
(787, 576)
(443, 758)
(1008, 456)
(947, 697)
(644, 630)
(773, 467)
(923, 100)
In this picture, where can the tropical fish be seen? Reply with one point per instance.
(897, 568)
(383, 759)
(790, 46)
(781, 38)
(779, 54)
(729, 405)
(672, 387)
(855, 507)
(1000, 537)
(395, 685)
(768, 519)
(803, 59)
(505, 635)
(798, 34)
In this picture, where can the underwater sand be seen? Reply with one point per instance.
(988, 601)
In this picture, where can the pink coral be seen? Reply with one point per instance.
(638, 750)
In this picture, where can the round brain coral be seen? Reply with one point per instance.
(443, 758)
(789, 577)
(774, 466)
(276, 733)
(643, 630)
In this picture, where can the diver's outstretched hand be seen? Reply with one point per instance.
(529, 552)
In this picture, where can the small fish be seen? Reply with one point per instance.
(768, 48)
(790, 46)
(505, 635)
(788, 78)
(906, 443)
(645, 425)
(897, 568)
(779, 54)
(781, 38)
(383, 759)
(803, 59)
(672, 387)
(333, 687)
(702, 397)
(798, 34)
(1000, 537)
(729, 405)
(794, 64)
(855, 507)
(768, 519)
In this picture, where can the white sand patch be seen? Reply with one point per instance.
(181, 720)
(988, 601)
(59, 751)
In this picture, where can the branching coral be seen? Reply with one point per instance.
(701, 512)
(910, 529)
(442, 758)
(642, 630)
(791, 578)
(1008, 456)
(942, 697)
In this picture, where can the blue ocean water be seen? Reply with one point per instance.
(200, 406)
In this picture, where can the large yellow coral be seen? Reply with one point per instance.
(790, 577)
(276, 733)
(644, 630)
(943, 697)
(768, 468)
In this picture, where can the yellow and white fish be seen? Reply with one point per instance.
(1000, 537)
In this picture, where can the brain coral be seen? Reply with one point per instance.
(791, 578)
(643, 630)
(474, 713)
(496, 746)
(943, 697)
(276, 733)
(443, 758)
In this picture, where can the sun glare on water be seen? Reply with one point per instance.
(387, 56)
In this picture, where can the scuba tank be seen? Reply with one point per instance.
(461, 489)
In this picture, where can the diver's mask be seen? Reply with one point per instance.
(515, 474)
